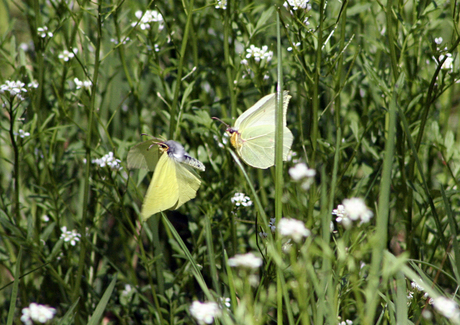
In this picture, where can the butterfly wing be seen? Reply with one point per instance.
(262, 113)
(258, 146)
(188, 184)
(163, 192)
(255, 141)
(143, 155)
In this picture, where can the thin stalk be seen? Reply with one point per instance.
(85, 203)
(279, 162)
(380, 237)
(173, 122)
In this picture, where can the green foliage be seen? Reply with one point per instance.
(374, 110)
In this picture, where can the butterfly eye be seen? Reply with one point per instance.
(163, 147)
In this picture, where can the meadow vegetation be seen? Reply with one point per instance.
(359, 226)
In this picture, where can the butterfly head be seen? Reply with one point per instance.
(174, 150)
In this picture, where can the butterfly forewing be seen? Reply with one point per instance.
(163, 192)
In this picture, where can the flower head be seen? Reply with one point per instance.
(221, 4)
(37, 313)
(43, 32)
(66, 55)
(83, 84)
(22, 133)
(301, 172)
(13, 87)
(241, 199)
(249, 261)
(108, 160)
(70, 236)
(150, 16)
(259, 53)
(293, 228)
(356, 209)
(204, 312)
(297, 4)
(448, 63)
(447, 307)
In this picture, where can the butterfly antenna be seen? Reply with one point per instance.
(218, 119)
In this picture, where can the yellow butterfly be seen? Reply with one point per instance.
(253, 134)
(173, 182)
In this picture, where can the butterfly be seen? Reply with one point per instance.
(253, 134)
(173, 182)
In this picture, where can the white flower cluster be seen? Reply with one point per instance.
(352, 210)
(258, 54)
(108, 160)
(22, 133)
(37, 313)
(346, 322)
(448, 308)
(150, 16)
(241, 199)
(297, 4)
(66, 55)
(221, 4)
(43, 32)
(83, 84)
(70, 236)
(204, 312)
(249, 261)
(301, 172)
(448, 63)
(293, 228)
(13, 87)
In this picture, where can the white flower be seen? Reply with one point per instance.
(448, 64)
(127, 290)
(226, 302)
(342, 216)
(438, 40)
(43, 31)
(45, 218)
(108, 160)
(70, 236)
(22, 134)
(416, 286)
(241, 199)
(221, 4)
(244, 62)
(357, 209)
(252, 51)
(293, 228)
(33, 84)
(85, 84)
(296, 4)
(13, 87)
(37, 313)
(296, 45)
(66, 55)
(150, 16)
(248, 260)
(448, 308)
(204, 312)
(346, 322)
(302, 172)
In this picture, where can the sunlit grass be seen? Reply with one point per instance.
(368, 198)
